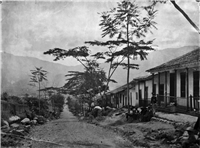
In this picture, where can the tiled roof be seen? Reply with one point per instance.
(143, 78)
(122, 88)
(188, 60)
(119, 89)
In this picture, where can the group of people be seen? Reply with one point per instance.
(140, 113)
(143, 113)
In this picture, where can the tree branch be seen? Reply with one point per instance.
(185, 15)
(81, 62)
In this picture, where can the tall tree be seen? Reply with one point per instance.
(187, 17)
(88, 82)
(37, 77)
(127, 26)
(109, 57)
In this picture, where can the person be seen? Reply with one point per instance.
(92, 106)
(153, 102)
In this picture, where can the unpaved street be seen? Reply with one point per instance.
(70, 133)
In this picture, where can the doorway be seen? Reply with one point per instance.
(161, 92)
(172, 87)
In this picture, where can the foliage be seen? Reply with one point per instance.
(58, 100)
(15, 99)
(34, 105)
(37, 76)
(126, 26)
(4, 96)
(79, 53)
(74, 105)
(87, 83)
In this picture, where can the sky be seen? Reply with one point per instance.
(30, 28)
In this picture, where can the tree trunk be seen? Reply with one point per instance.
(128, 74)
(128, 62)
(39, 97)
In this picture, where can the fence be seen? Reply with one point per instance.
(8, 108)
(191, 103)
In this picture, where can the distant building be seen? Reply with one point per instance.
(143, 90)
(119, 96)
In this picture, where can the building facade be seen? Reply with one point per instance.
(119, 96)
(174, 82)
(178, 81)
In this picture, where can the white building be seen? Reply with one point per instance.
(178, 81)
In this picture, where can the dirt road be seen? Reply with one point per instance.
(68, 132)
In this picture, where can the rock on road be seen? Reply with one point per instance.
(69, 132)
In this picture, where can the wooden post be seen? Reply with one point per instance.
(187, 87)
(153, 91)
(190, 102)
(165, 88)
(145, 93)
(159, 89)
(175, 92)
(139, 93)
(194, 101)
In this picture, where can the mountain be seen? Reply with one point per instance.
(15, 70)
(15, 73)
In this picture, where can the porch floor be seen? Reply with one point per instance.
(177, 109)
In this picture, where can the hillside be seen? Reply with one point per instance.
(16, 70)
(16, 73)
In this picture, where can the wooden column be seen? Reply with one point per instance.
(153, 91)
(159, 101)
(144, 93)
(175, 87)
(187, 87)
(199, 91)
(139, 93)
(175, 84)
(165, 88)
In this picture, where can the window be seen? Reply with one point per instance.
(183, 84)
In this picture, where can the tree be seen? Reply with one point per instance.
(127, 26)
(86, 83)
(4, 96)
(37, 76)
(182, 12)
(109, 57)
(58, 101)
(79, 53)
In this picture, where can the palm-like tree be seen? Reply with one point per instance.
(126, 27)
(38, 75)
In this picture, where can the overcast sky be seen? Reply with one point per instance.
(30, 28)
